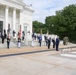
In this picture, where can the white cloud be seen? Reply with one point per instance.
(45, 8)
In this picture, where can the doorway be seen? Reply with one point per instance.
(1, 26)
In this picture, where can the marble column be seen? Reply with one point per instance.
(21, 22)
(14, 19)
(6, 18)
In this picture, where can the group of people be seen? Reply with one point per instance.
(48, 41)
(54, 41)
(7, 36)
(39, 39)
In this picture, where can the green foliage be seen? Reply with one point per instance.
(62, 24)
(37, 26)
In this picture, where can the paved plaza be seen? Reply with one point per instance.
(37, 61)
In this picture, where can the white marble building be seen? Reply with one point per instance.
(16, 13)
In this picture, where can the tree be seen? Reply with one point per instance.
(67, 22)
(62, 24)
(37, 26)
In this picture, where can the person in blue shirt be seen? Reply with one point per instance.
(57, 43)
(40, 40)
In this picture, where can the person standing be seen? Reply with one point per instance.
(19, 40)
(57, 43)
(2, 36)
(8, 40)
(65, 40)
(5, 34)
(66, 43)
(23, 35)
(46, 40)
(40, 40)
(49, 41)
(14, 33)
(53, 41)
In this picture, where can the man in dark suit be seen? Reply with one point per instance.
(49, 42)
(53, 41)
(57, 43)
(40, 40)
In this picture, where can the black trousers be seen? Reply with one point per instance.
(40, 44)
(8, 43)
(53, 45)
(48, 45)
(57, 45)
(2, 40)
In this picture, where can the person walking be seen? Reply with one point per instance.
(57, 43)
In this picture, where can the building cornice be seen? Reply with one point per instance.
(29, 8)
(11, 4)
(17, 5)
(16, 2)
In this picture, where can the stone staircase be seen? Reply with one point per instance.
(13, 43)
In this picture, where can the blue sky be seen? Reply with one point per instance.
(45, 8)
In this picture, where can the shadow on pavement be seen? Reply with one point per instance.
(22, 53)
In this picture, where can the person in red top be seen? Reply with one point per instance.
(19, 40)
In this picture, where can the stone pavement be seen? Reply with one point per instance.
(36, 61)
